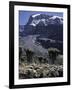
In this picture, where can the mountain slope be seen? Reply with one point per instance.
(47, 29)
(44, 20)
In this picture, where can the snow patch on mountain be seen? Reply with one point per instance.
(42, 19)
(54, 17)
(57, 19)
(35, 22)
(35, 15)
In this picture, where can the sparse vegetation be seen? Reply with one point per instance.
(32, 66)
(40, 71)
(29, 54)
(53, 53)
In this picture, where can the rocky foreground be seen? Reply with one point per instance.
(27, 71)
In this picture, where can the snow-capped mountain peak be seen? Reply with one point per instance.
(54, 17)
(44, 20)
(35, 15)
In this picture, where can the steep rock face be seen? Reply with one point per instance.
(44, 20)
(50, 31)
(48, 28)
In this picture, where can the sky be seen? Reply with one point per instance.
(24, 15)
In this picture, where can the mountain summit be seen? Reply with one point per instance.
(42, 31)
(44, 20)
